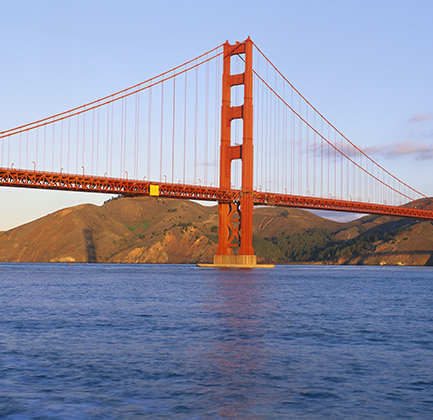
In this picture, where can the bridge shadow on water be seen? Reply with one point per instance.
(90, 246)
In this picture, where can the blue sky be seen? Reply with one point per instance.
(367, 66)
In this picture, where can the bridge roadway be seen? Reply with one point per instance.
(62, 181)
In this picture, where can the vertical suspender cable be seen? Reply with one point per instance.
(174, 121)
(45, 148)
(265, 180)
(162, 130)
(97, 143)
(93, 140)
(61, 144)
(307, 152)
(69, 143)
(27, 150)
(52, 156)
(341, 165)
(78, 136)
(184, 129)
(149, 134)
(292, 146)
(262, 138)
(348, 171)
(112, 138)
(284, 139)
(321, 158)
(276, 142)
(300, 151)
(19, 154)
(314, 157)
(329, 169)
(121, 139)
(137, 154)
(84, 136)
(134, 150)
(206, 126)
(124, 138)
(195, 125)
(354, 158)
(108, 138)
(335, 164)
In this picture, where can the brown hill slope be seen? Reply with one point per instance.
(274, 221)
(112, 233)
(141, 229)
(412, 246)
(155, 230)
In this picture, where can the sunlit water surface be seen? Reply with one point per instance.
(157, 342)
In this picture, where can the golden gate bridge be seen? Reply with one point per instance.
(226, 126)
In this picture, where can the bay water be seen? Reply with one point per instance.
(95, 341)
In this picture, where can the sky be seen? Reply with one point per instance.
(366, 65)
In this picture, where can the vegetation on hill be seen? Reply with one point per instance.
(319, 245)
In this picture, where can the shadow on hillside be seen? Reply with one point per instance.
(90, 246)
(430, 260)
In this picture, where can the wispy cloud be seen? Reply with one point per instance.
(408, 148)
(420, 118)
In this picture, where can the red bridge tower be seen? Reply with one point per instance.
(235, 246)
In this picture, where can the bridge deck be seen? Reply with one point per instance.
(68, 182)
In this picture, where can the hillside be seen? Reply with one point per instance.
(155, 230)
